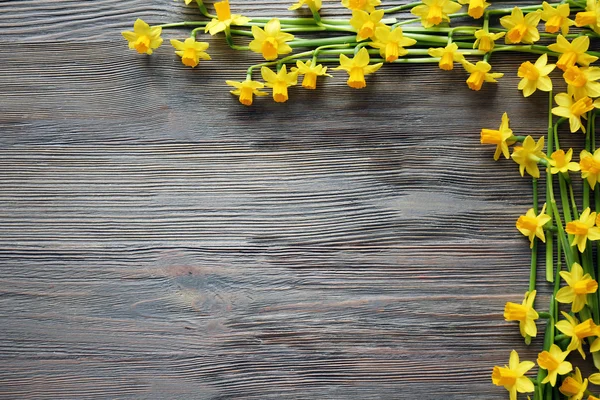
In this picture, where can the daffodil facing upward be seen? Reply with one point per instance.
(246, 90)
(190, 51)
(574, 386)
(512, 376)
(561, 162)
(480, 73)
(485, 41)
(434, 12)
(572, 52)
(553, 361)
(532, 225)
(144, 39)
(448, 55)
(314, 5)
(224, 19)
(590, 167)
(528, 155)
(357, 68)
(365, 23)
(581, 82)
(557, 18)
(579, 285)
(279, 81)
(521, 28)
(571, 327)
(573, 110)
(310, 72)
(391, 43)
(365, 5)
(270, 42)
(535, 76)
(583, 229)
(524, 313)
(501, 138)
(476, 7)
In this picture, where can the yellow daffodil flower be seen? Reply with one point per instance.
(279, 81)
(365, 23)
(557, 18)
(521, 29)
(448, 55)
(224, 19)
(524, 313)
(535, 76)
(583, 229)
(582, 81)
(485, 41)
(561, 162)
(314, 5)
(245, 90)
(270, 42)
(357, 68)
(365, 5)
(528, 155)
(391, 43)
(190, 51)
(512, 377)
(144, 39)
(572, 52)
(574, 386)
(554, 362)
(579, 285)
(573, 110)
(501, 138)
(532, 225)
(576, 331)
(479, 74)
(476, 7)
(591, 16)
(310, 73)
(590, 167)
(434, 12)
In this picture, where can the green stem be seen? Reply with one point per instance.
(533, 266)
(549, 182)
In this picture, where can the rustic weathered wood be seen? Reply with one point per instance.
(159, 240)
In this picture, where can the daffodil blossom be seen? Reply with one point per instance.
(572, 52)
(365, 23)
(224, 19)
(573, 110)
(528, 155)
(581, 82)
(571, 327)
(434, 12)
(524, 313)
(365, 5)
(245, 90)
(310, 73)
(557, 18)
(448, 55)
(476, 7)
(561, 162)
(512, 377)
(190, 51)
(521, 29)
(590, 167)
(279, 81)
(144, 39)
(479, 74)
(590, 17)
(486, 41)
(391, 43)
(501, 138)
(579, 285)
(270, 42)
(357, 68)
(532, 225)
(553, 361)
(574, 386)
(535, 76)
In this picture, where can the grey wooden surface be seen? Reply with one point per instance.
(159, 240)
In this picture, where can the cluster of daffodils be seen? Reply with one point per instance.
(373, 35)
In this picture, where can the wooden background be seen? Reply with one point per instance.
(159, 240)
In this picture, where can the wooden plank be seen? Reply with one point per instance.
(159, 240)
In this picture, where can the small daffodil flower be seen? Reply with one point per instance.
(571, 327)
(561, 162)
(553, 361)
(476, 7)
(524, 313)
(557, 18)
(434, 12)
(535, 76)
(528, 155)
(572, 52)
(581, 82)
(391, 43)
(448, 55)
(574, 386)
(365, 23)
(144, 39)
(479, 74)
(279, 81)
(582, 229)
(573, 110)
(224, 19)
(245, 90)
(190, 51)
(365, 5)
(501, 138)
(270, 42)
(532, 225)
(357, 68)
(485, 41)
(590, 167)
(521, 28)
(590, 17)
(512, 376)
(310, 72)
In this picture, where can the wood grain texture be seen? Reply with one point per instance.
(161, 241)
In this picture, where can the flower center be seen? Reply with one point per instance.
(528, 71)
(246, 95)
(476, 79)
(504, 376)
(367, 29)
(529, 223)
(223, 10)
(391, 51)
(590, 165)
(553, 24)
(582, 106)
(568, 59)
(357, 4)
(559, 158)
(577, 228)
(189, 57)
(491, 136)
(570, 387)
(575, 77)
(547, 361)
(357, 78)
(269, 48)
(280, 92)
(515, 35)
(447, 61)
(310, 80)
(585, 286)
(515, 312)
(476, 8)
(434, 16)
(585, 329)
(142, 44)
(485, 44)
(586, 18)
